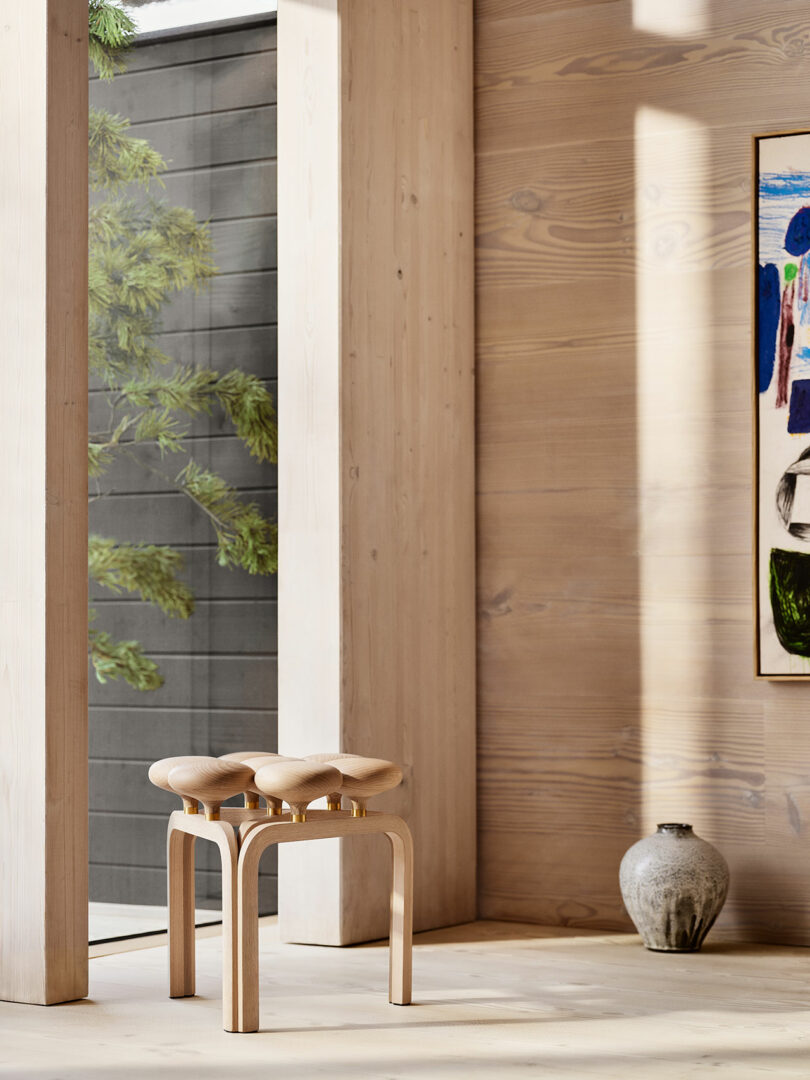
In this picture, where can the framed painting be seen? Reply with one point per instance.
(782, 404)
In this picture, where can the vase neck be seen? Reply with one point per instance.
(672, 829)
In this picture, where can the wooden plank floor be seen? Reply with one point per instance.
(491, 1000)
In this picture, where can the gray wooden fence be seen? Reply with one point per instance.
(206, 101)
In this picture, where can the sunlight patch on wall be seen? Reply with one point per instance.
(675, 447)
(684, 18)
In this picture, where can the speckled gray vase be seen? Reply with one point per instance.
(674, 886)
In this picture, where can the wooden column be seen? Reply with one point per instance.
(43, 493)
(376, 470)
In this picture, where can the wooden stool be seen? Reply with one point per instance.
(242, 835)
(257, 837)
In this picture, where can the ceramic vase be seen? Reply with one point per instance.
(673, 885)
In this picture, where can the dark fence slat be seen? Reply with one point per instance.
(161, 519)
(209, 86)
(234, 300)
(213, 682)
(193, 142)
(147, 734)
(195, 48)
(119, 884)
(228, 627)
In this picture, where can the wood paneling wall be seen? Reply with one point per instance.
(207, 102)
(614, 455)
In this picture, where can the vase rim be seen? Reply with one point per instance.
(670, 826)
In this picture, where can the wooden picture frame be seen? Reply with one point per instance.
(781, 393)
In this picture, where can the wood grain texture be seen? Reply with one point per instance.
(614, 475)
(211, 781)
(298, 783)
(492, 999)
(568, 71)
(43, 378)
(377, 524)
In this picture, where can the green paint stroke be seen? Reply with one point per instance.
(790, 599)
(791, 270)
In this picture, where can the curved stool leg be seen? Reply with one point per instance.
(229, 854)
(400, 947)
(180, 863)
(256, 842)
(181, 910)
(247, 919)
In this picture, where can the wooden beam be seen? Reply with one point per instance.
(376, 471)
(43, 491)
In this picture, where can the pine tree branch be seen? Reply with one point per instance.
(148, 569)
(112, 32)
(244, 537)
(121, 660)
(192, 390)
(116, 158)
(250, 407)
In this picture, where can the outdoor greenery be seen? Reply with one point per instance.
(143, 252)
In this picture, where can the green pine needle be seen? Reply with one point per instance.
(250, 407)
(112, 32)
(148, 569)
(114, 660)
(244, 537)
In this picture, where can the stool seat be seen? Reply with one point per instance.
(364, 777)
(333, 798)
(159, 776)
(297, 782)
(210, 782)
(252, 758)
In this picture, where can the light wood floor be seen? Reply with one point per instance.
(492, 1000)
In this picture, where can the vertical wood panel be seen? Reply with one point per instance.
(615, 628)
(407, 447)
(43, 488)
(386, 527)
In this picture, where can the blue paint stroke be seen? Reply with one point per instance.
(777, 184)
(797, 236)
(769, 301)
(799, 415)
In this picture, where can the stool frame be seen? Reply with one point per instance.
(242, 836)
